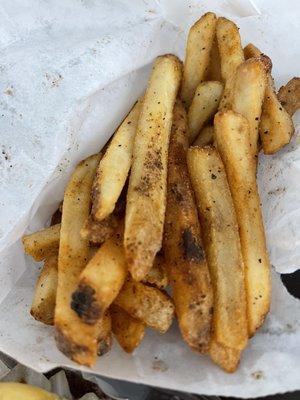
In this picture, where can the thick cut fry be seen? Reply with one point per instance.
(43, 305)
(205, 137)
(104, 338)
(147, 304)
(157, 275)
(248, 95)
(231, 56)
(227, 358)
(184, 254)
(114, 167)
(43, 243)
(222, 246)
(289, 96)
(146, 197)
(100, 281)
(21, 391)
(74, 338)
(276, 126)
(214, 68)
(197, 57)
(128, 331)
(204, 106)
(232, 135)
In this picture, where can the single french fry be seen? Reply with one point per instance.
(214, 68)
(128, 331)
(100, 281)
(289, 96)
(185, 259)
(231, 56)
(276, 126)
(232, 135)
(43, 304)
(43, 243)
(114, 166)
(197, 57)
(147, 304)
(74, 338)
(157, 275)
(17, 391)
(248, 96)
(204, 106)
(227, 358)
(205, 137)
(146, 197)
(104, 338)
(222, 246)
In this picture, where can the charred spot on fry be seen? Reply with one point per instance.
(85, 305)
(192, 250)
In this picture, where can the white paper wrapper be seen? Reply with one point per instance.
(69, 73)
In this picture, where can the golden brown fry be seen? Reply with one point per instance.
(231, 56)
(128, 330)
(22, 391)
(197, 57)
(227, 358)
(114, 166)
(214, 68)
(289, 96)
(104, 338)
(41, 244)
(232, 135)
(100, 281)
(248, 96)
(146, 197)
(74, 338)
(205, 137)
(184, 254)
(276, 126)
(43, 304)
(157, 275)
(147, 304)
(222, 246)
(204, 106)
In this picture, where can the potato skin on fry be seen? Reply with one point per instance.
(147, 304)
(157, 276)
(146, 196)
(100, 281)
(232, 136)
(43, 304)
(197, 57)
(185, 260)
(289, 96)
(74, 338)
(227, 358)
(222, 246)
(128, 330)
(104, 338)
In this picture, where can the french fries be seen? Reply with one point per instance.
(231, 56)
(214, 68)
(157, 275)
(227, 358)
(197, 57)
(289, 96)
(146, 196)
(73, 337)
(147, 304)
(222, 246)
(204, 106)
(205, 137)
(114, 166)
(128, 331)
(104, 328)
(184, 254)
(100, 281)
(232, 135)
(248, 95)
(43, 304)
(43, 243)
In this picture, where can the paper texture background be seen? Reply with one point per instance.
(69, 73)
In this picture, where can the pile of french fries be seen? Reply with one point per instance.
(172, 200)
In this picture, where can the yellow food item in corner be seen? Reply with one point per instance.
(21, 391)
